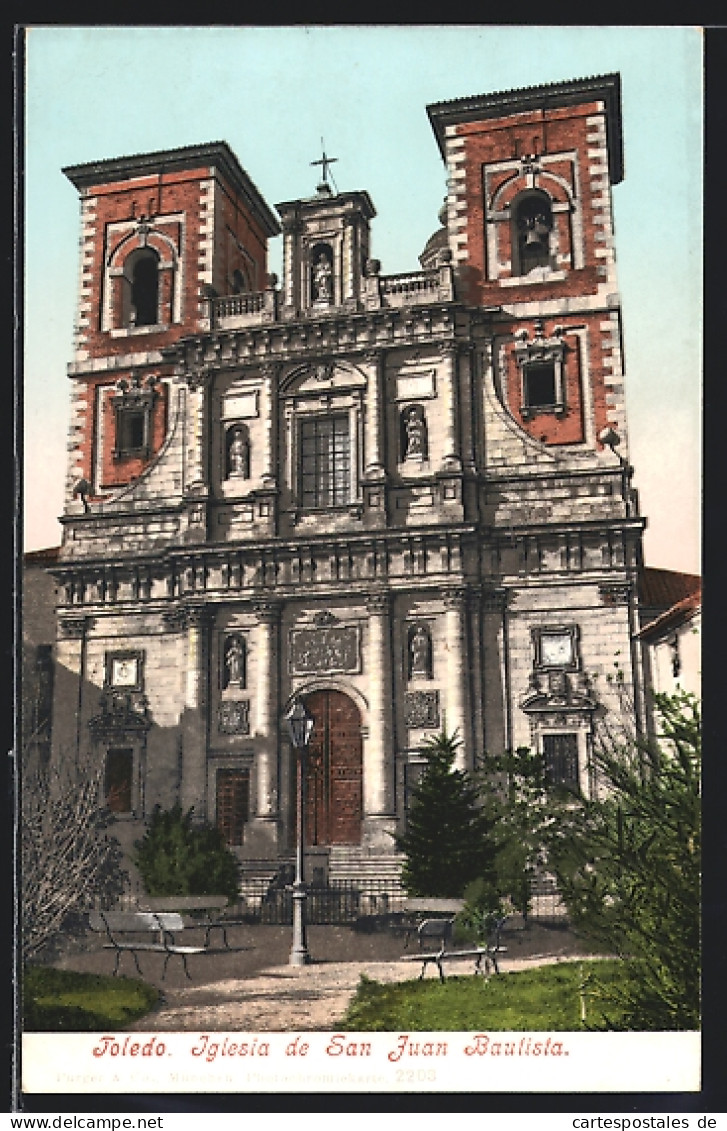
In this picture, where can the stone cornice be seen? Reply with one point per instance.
(345, 333)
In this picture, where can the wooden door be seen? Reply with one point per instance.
(334, 771)
(119, 776)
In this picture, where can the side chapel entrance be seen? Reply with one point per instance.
(334, 774)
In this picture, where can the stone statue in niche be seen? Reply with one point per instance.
(420, 653)
(234, 662)
(238, 454)
(323, 278)
(415, 433)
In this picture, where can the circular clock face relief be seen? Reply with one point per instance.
(556, 648)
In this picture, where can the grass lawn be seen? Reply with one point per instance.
(65, 1001)
(545, 998)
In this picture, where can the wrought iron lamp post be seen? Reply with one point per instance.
(300, 725)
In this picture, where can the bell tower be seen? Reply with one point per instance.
(530, 227)
(325, 252)
(162, 233)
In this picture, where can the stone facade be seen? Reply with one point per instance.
(405, 499)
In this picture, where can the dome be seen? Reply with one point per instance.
(434, 246)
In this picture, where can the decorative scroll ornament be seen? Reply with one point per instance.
(558, 691)
(325, 618)
(75, 628)
(122, 712)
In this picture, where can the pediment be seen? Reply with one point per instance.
(322, 376)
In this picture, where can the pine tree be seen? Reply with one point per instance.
(446, 843)
(628, 866)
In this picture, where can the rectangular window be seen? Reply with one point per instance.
(560, 752)
(233, 803)
(119, 774)
(131, 432)
(539, 386)
(325, 461)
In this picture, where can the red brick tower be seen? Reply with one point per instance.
(160, 232)
(531, 232)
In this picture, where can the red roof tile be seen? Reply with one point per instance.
(663, 588)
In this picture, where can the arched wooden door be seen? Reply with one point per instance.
(334, 772)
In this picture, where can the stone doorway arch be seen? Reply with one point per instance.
(334, 770)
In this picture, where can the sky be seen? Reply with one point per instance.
(276, 94)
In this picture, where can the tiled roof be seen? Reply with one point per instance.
(663, 588)
(682, 611)
(606, 88)
(42, 557)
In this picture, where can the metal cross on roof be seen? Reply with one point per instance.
(324, 162)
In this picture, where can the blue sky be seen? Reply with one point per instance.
(273, 93)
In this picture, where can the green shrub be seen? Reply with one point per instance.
(178, 856)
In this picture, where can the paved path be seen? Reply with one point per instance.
(285, 998)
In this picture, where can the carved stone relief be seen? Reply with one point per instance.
(422, 709)
(233, 716)
(324, 649)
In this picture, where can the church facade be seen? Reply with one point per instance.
(404, 499)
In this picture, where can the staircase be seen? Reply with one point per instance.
(378, 874)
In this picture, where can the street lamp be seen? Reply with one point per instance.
(300, 725)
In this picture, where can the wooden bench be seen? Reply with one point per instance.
(431, 919)
(208, 907)
(487, 954)
(119, 925)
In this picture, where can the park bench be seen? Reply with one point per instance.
(486, 954)
(203, 911)
(119, 926)
(431, 919)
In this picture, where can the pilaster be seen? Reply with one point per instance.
(262, 831)
(193, 792)
(458, 717)
(379, 763)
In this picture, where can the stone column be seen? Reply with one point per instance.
(196, 457)
(193, 787)
(375, 416)
(196, 433)
(496, 683)
(447, 383)
(291, 266)
(269, 414)
(457, 710)
(350, 259)
(263, 830)
(380, 753)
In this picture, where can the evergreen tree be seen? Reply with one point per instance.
(517, 806)
(628, 866)
(446, 843)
